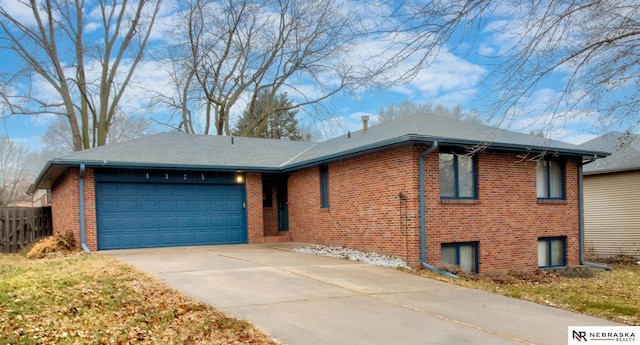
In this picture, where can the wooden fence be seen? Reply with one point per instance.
(20, 226)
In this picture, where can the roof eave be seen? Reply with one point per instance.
(611, 171)
(420, 139)
(57, 167)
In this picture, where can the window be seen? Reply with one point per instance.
(267, 196)
(551, 252)
(457, 176)
(550, 180)
(464, 255)
(324, 185)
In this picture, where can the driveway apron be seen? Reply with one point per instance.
(302, 299)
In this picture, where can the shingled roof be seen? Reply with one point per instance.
(625, 155)
(189, 151)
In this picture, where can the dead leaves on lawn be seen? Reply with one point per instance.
(611, 294)
(92, 299)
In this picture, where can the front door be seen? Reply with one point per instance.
(283, 203)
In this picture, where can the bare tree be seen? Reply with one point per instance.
(57, 139)
(407, 108)
(85, 74)
(14, 175)
(588, 48)
(237, 50)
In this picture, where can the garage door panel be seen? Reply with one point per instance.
(166, 206)
(184, 223)
(128, 204)
(217, 206)
(144, 206)
(110, 205)
(111, 240)
(184, 206)
(232, 207)
(235, 236)
(200, 206)
(134, 215)
(218, 221)
(168, 238)
(232, 222)
(149, 223)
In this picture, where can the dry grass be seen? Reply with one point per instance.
(610, 295)
(94, 299)
(52, 246)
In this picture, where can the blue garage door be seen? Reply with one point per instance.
(139, 215)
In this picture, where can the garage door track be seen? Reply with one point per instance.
(306, 299)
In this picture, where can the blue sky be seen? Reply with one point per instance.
(454, 78)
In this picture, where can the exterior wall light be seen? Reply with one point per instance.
(239, 178)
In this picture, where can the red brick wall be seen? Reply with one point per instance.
(255, 220)
(367, 212)
(270, 214)
(507, 219)
(65, 206)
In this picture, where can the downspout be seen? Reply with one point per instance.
(423, 217)
(83, 243)
(581, 220)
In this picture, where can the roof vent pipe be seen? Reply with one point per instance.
(365, 123)
(231, 140)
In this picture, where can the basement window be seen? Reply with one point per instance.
(462, 254)
(552, 252)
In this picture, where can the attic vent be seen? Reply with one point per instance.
(365, 123)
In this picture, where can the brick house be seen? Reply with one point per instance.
(426, 189)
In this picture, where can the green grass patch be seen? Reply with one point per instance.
(610, 295)
(94, 299)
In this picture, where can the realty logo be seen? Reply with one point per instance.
(604, 335)
(579, 335)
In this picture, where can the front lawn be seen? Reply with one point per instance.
(94, 299)
(610, 295)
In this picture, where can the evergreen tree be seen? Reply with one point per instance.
(272, 117)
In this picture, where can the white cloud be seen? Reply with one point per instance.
(19, 11)
(578, 138)
(486, 50)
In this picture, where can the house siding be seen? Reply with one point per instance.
(611, 217)
(375, 207)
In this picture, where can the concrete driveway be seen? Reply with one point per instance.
(306, 299)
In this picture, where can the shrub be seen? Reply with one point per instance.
(57, 244)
